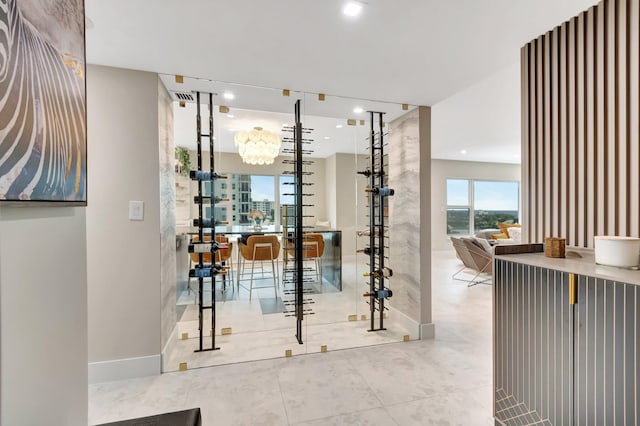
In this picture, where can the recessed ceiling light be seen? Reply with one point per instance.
(338, 126)
(327, 137)
(358, 110)
(463, 151)
(230, 115)
(352, 8)
(228, 95)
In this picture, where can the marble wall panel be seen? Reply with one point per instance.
(404, 214)
(167, 215)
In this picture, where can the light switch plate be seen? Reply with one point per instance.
(136, 210)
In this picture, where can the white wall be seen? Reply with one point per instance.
(123, 256)
(43, 316)
(441, 170)
(346, 199)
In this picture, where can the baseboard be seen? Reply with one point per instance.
(416, 330)
(128, 368)
(413, 327)
(427, 331)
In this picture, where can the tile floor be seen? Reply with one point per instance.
(444, 381)
(257, 336)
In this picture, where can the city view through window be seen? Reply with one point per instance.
(247, 193)
(474, 205)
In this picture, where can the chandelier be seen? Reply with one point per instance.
(257, 146)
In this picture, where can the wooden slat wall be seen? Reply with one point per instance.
(581, 125)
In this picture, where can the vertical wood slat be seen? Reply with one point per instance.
(610, 105)
(524, 159)
(540, 89)
(533, 169)
(563, 212)
(634, 116)
(581, 141)
(580, 132)
(571, 181)
(554, 204)
(621, 112)
(590, 129)
(547, 152)
(600, 201)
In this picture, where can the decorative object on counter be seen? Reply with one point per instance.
(554, 247)
(256, 217)
(622, 252)
(257, 146)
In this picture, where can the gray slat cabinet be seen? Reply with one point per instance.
(557, 363)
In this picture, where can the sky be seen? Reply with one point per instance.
(262, 188)
(487, 195)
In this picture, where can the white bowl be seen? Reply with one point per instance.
(623, 252)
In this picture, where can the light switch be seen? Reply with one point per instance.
(136, 210)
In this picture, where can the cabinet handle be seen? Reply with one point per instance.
(573, 289)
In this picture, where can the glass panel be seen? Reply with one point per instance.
(457, 192)
(494, 202)
(261, 319)
(458, 221)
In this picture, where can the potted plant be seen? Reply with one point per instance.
(183, 161)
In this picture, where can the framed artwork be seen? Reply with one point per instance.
(43, 142)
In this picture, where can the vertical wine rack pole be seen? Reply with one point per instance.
(377, 226)
(372, 224)
(381, 224)
(200, 200)
(213, 227)
(293, 226)
(299, 273)
(200, 228)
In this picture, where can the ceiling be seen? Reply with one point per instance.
(444, 53)
(335, 127)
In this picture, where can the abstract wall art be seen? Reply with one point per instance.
(43, 156)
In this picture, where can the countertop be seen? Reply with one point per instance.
(583, 266)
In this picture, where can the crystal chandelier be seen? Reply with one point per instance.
(257, 146)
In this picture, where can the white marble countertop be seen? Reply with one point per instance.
(585, 265)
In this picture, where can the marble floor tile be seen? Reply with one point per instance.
(443, 381)
(371, 417)
(316, 386)
(458, 408)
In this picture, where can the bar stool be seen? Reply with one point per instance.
(260, 248)
(312, 249)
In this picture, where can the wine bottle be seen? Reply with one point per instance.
(208, 199)
(369, 250)
(205, 175)
(207, 223)
(379, 294)
(206, 247)
(384, 191)
(384, 272)
(206, 272)
(366, 173)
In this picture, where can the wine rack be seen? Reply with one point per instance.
(293, 227)
(203, 270)
(378, 194)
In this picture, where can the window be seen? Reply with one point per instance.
(473, 205)
(254, 192)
